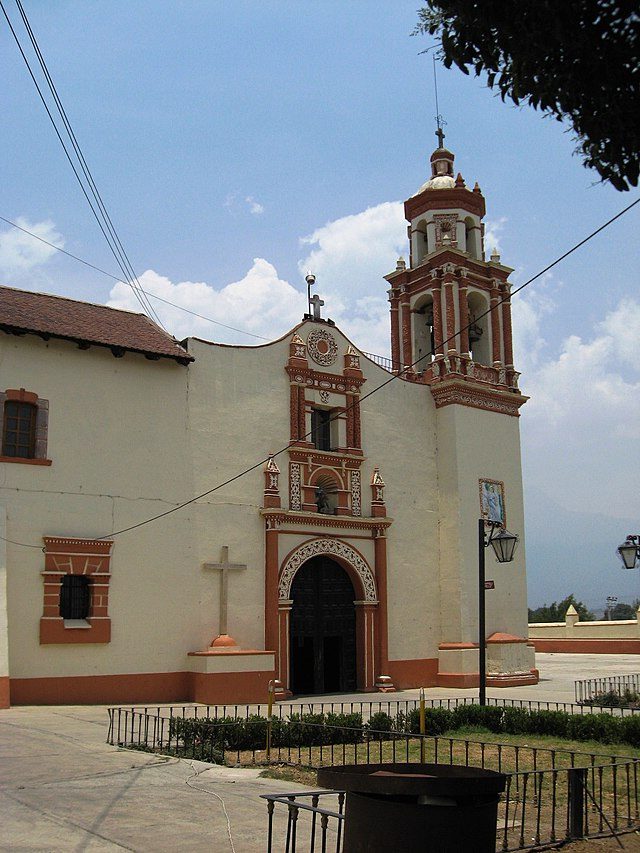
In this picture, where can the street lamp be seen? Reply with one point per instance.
(311, 280)
(629, 551)
(504, 546)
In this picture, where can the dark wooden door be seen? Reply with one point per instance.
(322, 629)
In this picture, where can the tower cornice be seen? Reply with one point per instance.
(444, 199)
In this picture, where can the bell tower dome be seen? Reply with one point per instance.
(450, 308)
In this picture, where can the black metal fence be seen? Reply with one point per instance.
(537, 809)
(589, 689)
(552, 794)
(309, 826)
(283, 710)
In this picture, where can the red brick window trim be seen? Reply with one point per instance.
(90, 558)
(34, 452)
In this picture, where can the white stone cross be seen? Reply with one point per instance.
(224, 567)
(317, 303)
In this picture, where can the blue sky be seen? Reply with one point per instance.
(236, 144)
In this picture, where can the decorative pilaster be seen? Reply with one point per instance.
(271, 484)
(406, 331)
(463, 311)
(395, 334)
(506, 326)
(302, 414)
(437, 319)
(383, 681)
(271, 586)
(495, 327)
(451, 317)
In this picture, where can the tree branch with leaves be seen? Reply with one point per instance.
(577, 60)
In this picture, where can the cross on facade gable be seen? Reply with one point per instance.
(224, 567)
(317, 303)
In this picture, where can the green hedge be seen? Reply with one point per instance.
(208, 736)
(604, 728)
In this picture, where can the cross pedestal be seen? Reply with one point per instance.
(223, 640)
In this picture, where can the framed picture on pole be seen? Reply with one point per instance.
(492, 506)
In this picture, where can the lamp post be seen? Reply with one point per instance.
(311, 280)
(612, 600)
(629, 551)
(504, 546)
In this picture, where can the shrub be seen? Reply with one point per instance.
(630, 729)
(549, 723)
(346, 728)
(484, 716)
(437, 721)
(516, 721)
(601, 727)
(380, 726)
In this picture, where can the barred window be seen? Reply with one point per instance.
(74, 597)
(19, 429)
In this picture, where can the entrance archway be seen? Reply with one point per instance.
(322, 632)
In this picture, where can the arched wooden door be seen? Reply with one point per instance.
(322, 629)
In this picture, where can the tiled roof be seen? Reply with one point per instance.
(84, 323)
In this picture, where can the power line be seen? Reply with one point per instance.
(375, 390)
(101, 216)
(379, 387)
(122, 281)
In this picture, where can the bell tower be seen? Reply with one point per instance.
(450, 308)
(451, 332)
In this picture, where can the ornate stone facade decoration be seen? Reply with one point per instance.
(356, 496)
(322, 347)
(295, 494)
(331, 547)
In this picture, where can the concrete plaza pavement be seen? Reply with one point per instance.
(62, 788)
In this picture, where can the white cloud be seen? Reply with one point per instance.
(260, 303)
(20, 253)
(582, 424)
(349, 257)
(254, 206)
(493, 229)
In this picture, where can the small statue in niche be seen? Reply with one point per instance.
(322, 501)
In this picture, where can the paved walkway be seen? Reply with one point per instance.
(62, 788)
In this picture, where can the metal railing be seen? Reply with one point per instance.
(586, 690)
(324, 825)
(537, 809)
(380, 360)
(389, 706)
(551, 793)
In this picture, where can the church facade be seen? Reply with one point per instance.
(344, 558)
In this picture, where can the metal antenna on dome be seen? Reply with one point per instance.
(440, 122)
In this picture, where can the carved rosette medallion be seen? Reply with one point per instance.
(318, 547)
(322, 347)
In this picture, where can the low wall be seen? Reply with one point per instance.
(611, 637)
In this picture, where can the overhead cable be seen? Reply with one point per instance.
(89, 189)
(122, 281)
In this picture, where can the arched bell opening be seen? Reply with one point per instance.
(322, 629)
(479, 329)
(420, 245)
(423, 335)
(473, 241)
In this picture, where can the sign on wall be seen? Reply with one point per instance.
(492, 506)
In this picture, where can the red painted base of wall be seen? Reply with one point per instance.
(53, 631)
(588, 647)
(4, 692)
(413, 673)
(472, 679)
(219, 688)
(138, 689)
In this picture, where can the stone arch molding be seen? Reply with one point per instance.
(332, 547)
